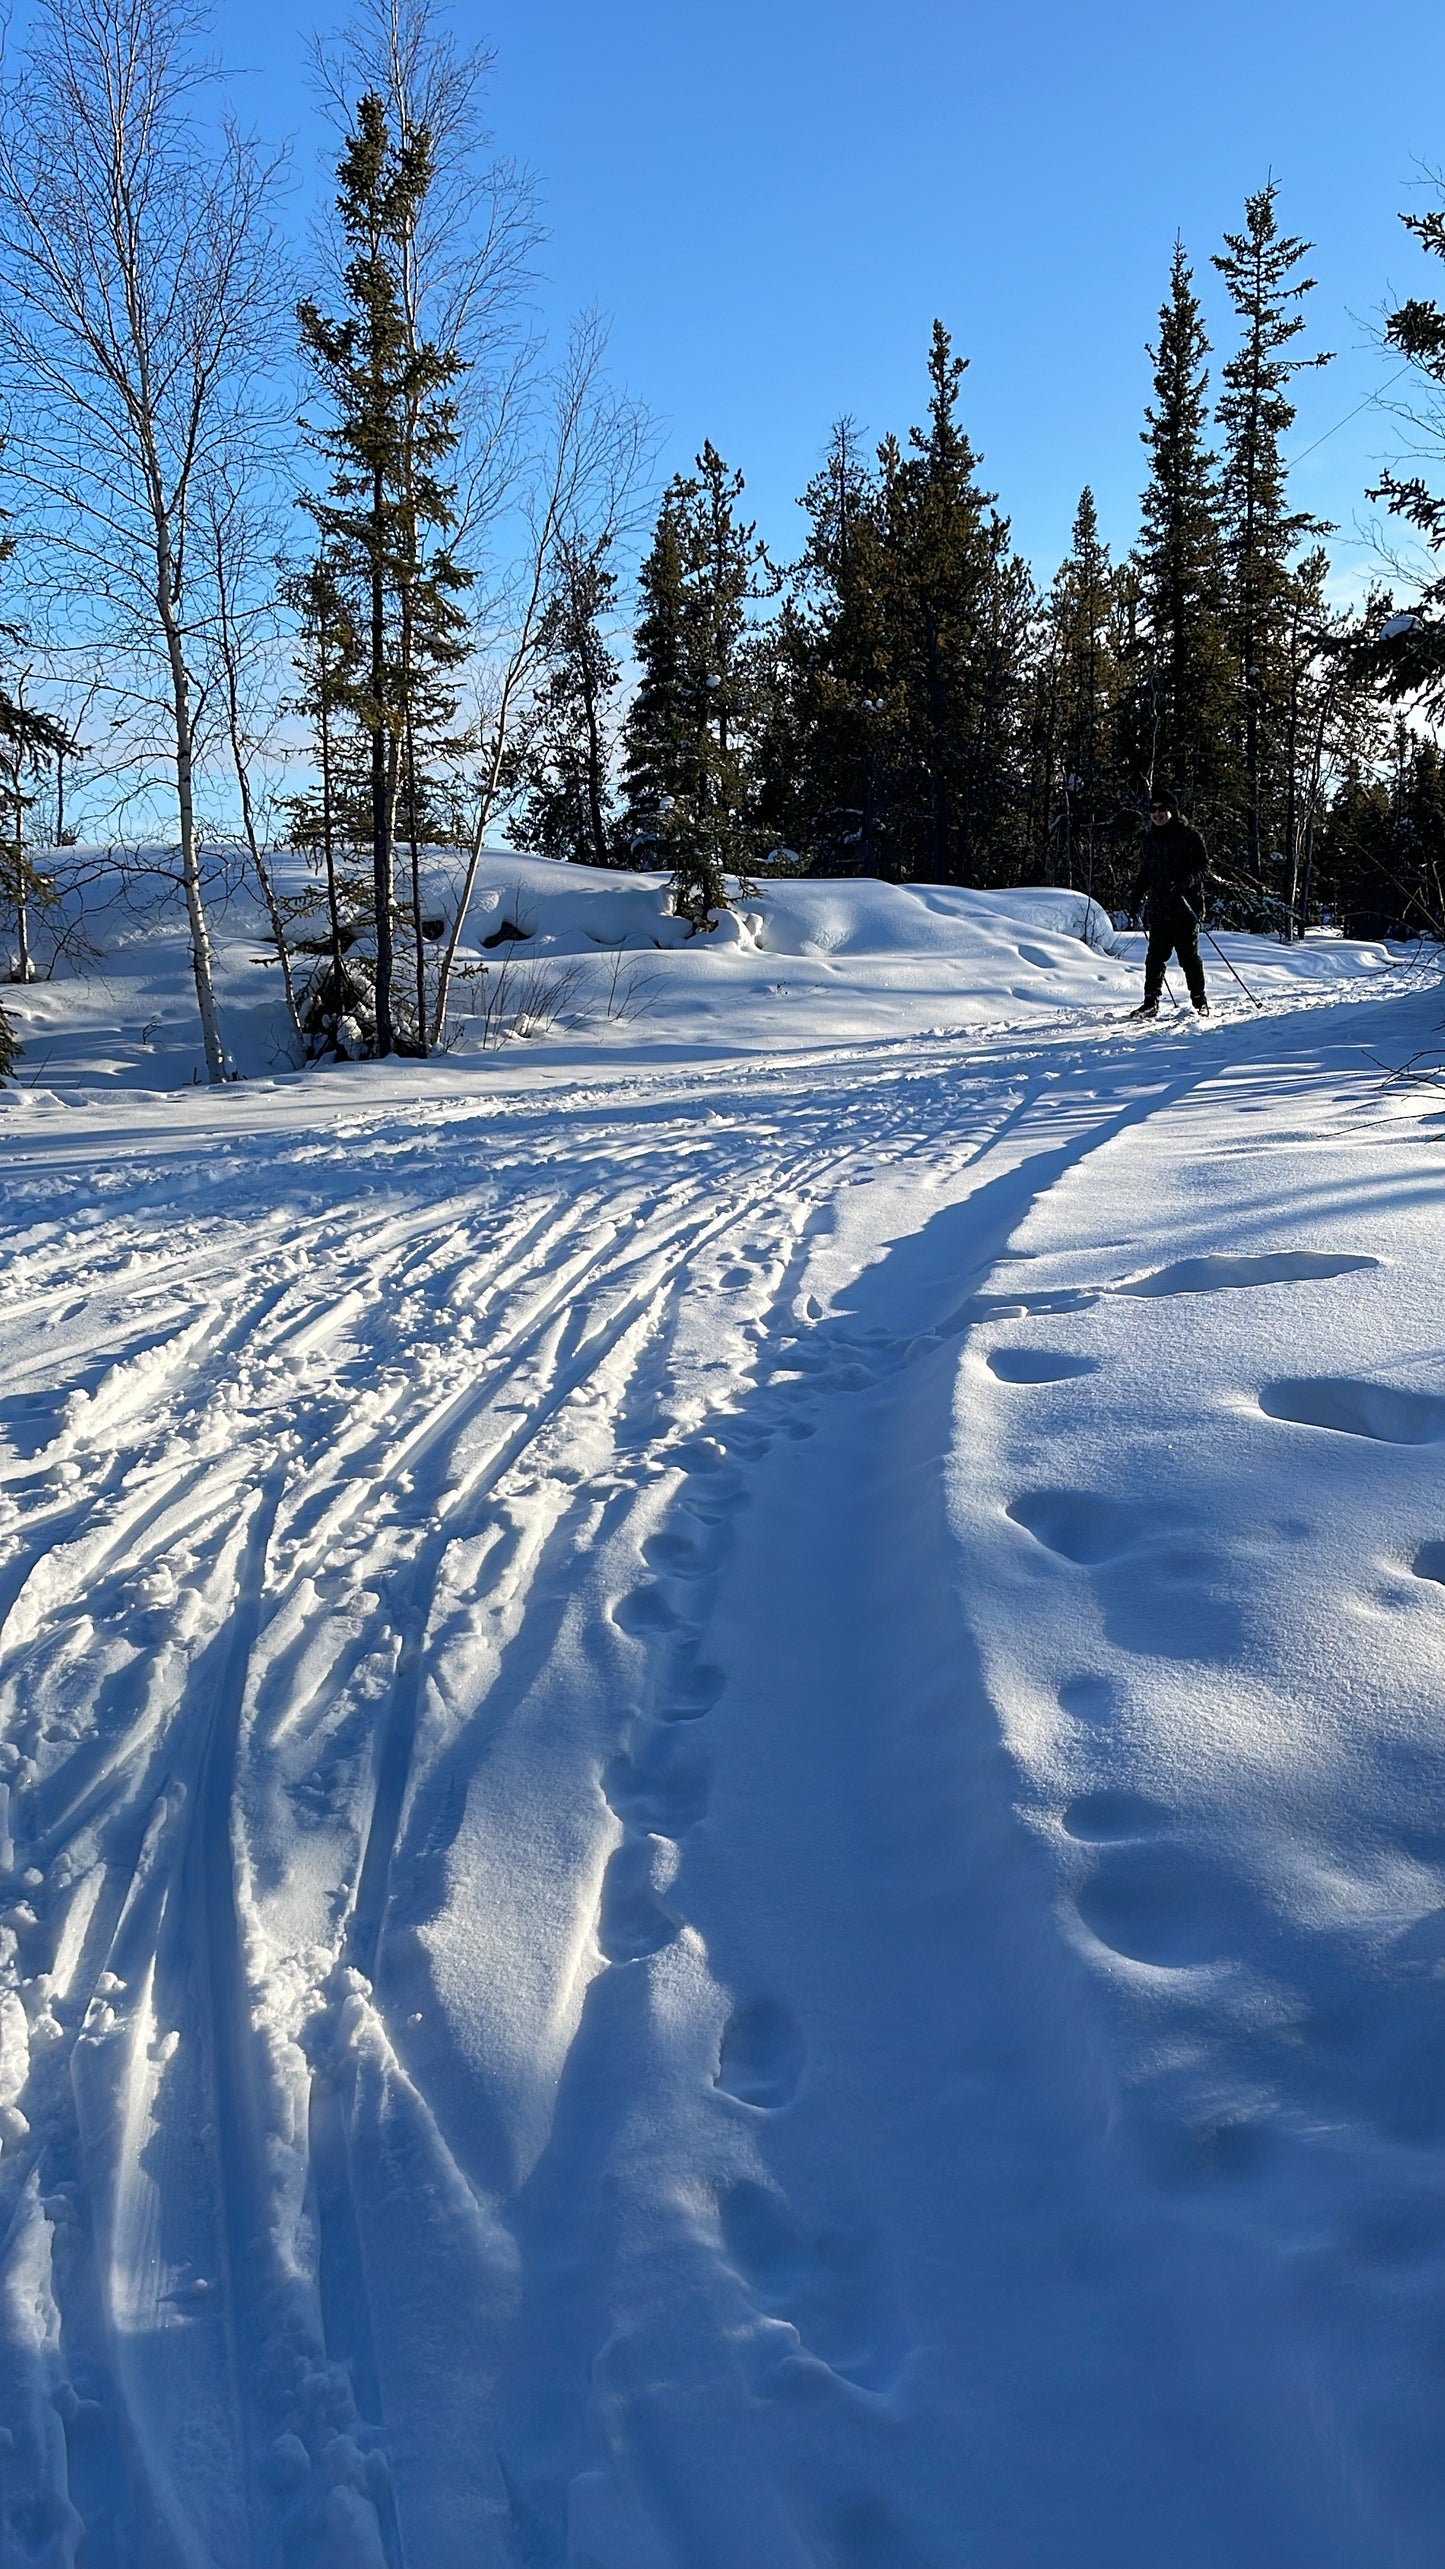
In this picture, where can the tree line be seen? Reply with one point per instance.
(444, 650)
(912, 705)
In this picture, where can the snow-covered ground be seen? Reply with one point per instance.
(801, 964)
(725, 1778)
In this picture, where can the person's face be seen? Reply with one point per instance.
(1159, 813)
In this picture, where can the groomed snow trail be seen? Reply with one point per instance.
(553, 2010)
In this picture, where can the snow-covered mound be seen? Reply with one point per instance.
(604, 967)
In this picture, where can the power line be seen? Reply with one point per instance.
(1367, 404)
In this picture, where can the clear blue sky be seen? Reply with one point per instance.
(773, 200)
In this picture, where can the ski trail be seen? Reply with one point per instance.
(659, 2008)
(328, 2044)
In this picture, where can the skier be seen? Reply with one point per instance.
(1170, 887)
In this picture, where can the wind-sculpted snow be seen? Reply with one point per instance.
(723, 1833)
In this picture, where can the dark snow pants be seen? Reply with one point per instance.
(1173, 930)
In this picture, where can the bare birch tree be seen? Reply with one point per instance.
(591, 451)
(242, 544)
(142, 289)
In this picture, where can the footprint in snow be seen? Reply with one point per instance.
(632, 1919)
(675, 1552)
(1038, 1365)
(1223, 1274)
(1381, 1411)
(690, 1693)
(761, 2057)
(643, 1613)
(829, 2286)
(1088, 1699)
(1080, 1525)
(662, 1789)
(1154, 1902)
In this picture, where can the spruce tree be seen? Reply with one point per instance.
(688, 774)
(1406, 652)
(29, 740)
(1081, 683)
(822, 743)
(331, 821)
(954, 610)
(560, 765)
(1176, 732)
(388, 512)
(1261, 533)
(660, 721)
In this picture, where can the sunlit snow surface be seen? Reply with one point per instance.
(726, 1774)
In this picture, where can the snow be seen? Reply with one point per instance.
(723, 1776)
(801, 964)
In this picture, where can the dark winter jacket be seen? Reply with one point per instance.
(1172, 862)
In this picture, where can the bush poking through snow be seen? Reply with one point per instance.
(1095, 929)
(530, 995)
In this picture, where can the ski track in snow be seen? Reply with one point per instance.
(397, 2161)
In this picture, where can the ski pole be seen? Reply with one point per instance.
(1223, 957)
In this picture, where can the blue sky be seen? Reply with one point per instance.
(773, 200)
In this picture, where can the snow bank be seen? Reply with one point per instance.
(798, 965)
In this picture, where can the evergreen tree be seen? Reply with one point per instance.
(688, 773)
(1176, 725)
(1261, 533)
(560, 763)
(29, 740)
(822, 747)
(330, 822)
(1406, 652)
(1382, 859)
(388, 512)
(1077, 705)
(953, 613)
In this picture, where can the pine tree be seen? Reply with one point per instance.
(1261, 534)
(954, 610)
(561, 760)
(388, 512)
(688, 774)
(1176, 732)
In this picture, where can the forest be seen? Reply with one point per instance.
(321, 563)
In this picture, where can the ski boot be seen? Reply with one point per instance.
(1201, 1007)
(1146, 1008)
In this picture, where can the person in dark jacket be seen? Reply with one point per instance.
(1169, 889)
